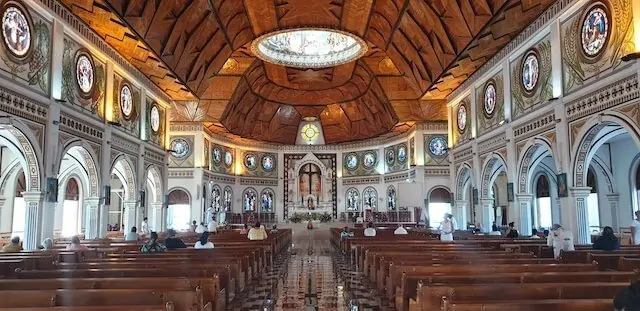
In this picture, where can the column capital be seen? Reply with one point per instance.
(524, 196)
(484, 201)
(579, 192)
(461, 202)
(613, 197)
(32, 196)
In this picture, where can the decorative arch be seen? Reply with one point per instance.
(437, 189)
(15, 168)
(249, 199)
(352, 198)
(127, 175)
(179, 195)
(494, 164)
(531, 158)
(591, 139)
(599, 166)
(154, 173)
(80, 178)
(89, 159)
(267, 199)
(19, 140)
(370, 198)
(463, 177)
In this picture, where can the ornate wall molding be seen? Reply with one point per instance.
(361, 180)
(77, 127)
(245, 181)
(492, 143)
(430, 172)
(22, 106)
(155, 157)
(84, 31)
(125, 145)
(549, 15)
(432, 126)
(463, 154)
(208, 175)
(180, 173)
(396, 177)
(616, 93)
(535, 126)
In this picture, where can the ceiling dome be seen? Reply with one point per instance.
(309, 47)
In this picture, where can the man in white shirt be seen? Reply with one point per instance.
(635, 229)
(132, 235)
(400, 230)
(561, 240)
(201, 228)
(370, 231)
(144, 227)
(212, 226)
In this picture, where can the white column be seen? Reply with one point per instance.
(579, 224)
(614, 199)
(33, 225)
(156, 222)
(129, 210)
(485, 213)
(92, 228)
(460, 214)
(525, 223)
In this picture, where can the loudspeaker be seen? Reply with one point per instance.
(106, 194)
(143, 198)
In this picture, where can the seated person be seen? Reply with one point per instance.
(257, 233)
(133, 235)
(370, 231)
(400, 230)
(14, 247)
(171, 242)
(152, 246)
(534, 234)
(360, 220)
(244, 230)
(628, 299)
(194, 226)
(47, 244)
(512, 233)
(346, 232)
(561, 240)
(212, 226)
(274, 229)
(203, 242)
(607, 241)
(76, 246)
(201, 228)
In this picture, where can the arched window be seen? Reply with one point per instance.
(439, 205)
(227, 199)
(542, 216)
(353, 197)
(370, 198)
(179, 210)
(71, 208)
(593, 207)
(216, 198)
(391, 198)
(249, 200)
(267, 201)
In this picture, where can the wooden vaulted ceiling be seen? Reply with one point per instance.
(197, 52)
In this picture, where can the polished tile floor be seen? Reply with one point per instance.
(311, 276)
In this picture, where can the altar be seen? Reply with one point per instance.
(309, 183)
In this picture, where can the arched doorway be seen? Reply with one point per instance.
(71, 210)
(18, 225)
(439, 205)
(122, 207)
(542, 215)
(494, 167)
(153, 196)
(179, 210)
(537, 188)
(465, 211)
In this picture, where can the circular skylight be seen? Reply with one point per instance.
(309, 47)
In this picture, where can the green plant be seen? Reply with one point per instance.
(326, 217)
(295, 218)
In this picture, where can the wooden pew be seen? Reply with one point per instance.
(531, 305)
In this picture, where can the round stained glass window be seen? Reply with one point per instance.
(16, 30)
(490, 98)
(595, 30)
(154, 118)
(530, 71)
(126, 101)
(309, 47)
(438, 146)
(267, 162)
(369, 159)
(391, 156)
(228, 158)
(217, 155)
(352, 161)
(462, 118)
(85, 74)
(250, 161)
(309, 132)
(402, 154)
(179, 148)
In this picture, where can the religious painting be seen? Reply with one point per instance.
(510, 196)
(217, 155)
(227, 199)
(268, 161)
(221, 159)
(531, 85)
(267, 201)
(351, 161)
(155, 127)
(391, 198)
(359, 163)
(412, 151)
(370, 199)
(490, 100)
(461, 114)
(205, 155)
(402, 153)
(461, 118)
(563, 190)
(180, 148)
(593, 41)
(216, 198)
(353, 200)
(475, 196)
(126, 106)
(26, 46)
(51, 194)
(310, 184)
(228, 158)
(310, 181)
(83, 79)
(126, 101)
(396, 158)
(250, 161)
(391, 157)
(369, 159)
(259, 164)
(249, 198)
(435, 149)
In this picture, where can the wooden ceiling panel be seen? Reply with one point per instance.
(295, 13)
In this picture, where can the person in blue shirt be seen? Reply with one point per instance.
(607, 241)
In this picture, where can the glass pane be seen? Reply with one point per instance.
(69, 218)
(544, 212)
(18, 217)
(178, 217)
(594, 213)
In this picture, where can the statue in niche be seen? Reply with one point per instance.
(310, 205)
